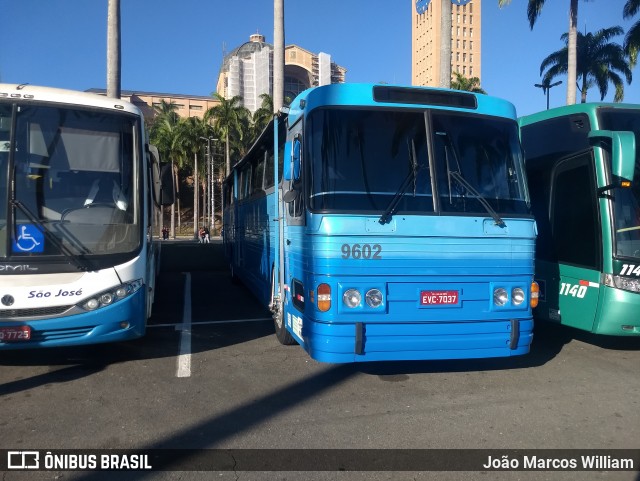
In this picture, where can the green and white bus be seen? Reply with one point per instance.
(584, 179)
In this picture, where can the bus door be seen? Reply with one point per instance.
(576, 228)
(294, 214)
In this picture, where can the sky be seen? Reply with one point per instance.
(177, 47)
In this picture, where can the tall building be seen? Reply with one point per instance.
(426, 45)
(248, 71)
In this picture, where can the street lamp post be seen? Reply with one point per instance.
(546, 86)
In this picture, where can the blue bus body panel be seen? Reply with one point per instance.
(471, 256)
(100, 326)
(417, 341)
(353, 94)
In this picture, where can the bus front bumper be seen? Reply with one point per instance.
(124, 320)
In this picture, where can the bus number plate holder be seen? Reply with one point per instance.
(438, 298)
(15, 333)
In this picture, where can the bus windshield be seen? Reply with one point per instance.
(67, 182)
(366, 160)
(626, 201)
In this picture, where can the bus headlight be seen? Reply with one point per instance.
(91, 304)
(108, 297)
(624, 283)
(352, 298)
(373, 297)
(517, 296)
(500, 296)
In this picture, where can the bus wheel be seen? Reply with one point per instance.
(282, 334)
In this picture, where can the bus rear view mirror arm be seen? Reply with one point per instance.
(623, 144)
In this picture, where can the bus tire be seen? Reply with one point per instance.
(284, 337)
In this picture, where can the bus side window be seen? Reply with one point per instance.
(244, 185)
(269, 171)
(258, 172)
(575, 218)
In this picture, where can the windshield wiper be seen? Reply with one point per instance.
(75, 260)
(412, 175)
(474, 193)
(457, 176)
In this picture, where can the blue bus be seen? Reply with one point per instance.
(383, 222)
(80, 190)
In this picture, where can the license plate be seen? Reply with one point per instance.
(433, 298)
(19, 333)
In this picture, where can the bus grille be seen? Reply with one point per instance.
(40, 312)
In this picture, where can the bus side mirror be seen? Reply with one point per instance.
(623, 145)
(168, 190)
(291, 169)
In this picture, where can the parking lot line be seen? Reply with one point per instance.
(184, 357)
(226, 321)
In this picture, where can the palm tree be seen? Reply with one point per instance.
(278, 56)
(262, 116)
(599, 62)
(445, 45)
(228, 116)
(632, 39)
(191, 131)
(460, 82)
(166, 136)
(534, 8)
(113, 49)
(167, 110)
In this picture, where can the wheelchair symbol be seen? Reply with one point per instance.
(30, 239)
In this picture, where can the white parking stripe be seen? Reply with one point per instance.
(184, 358)
(198, 323)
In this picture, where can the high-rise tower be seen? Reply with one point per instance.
(425, 40)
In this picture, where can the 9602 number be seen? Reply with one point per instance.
(361, 251)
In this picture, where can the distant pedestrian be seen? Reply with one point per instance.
(165, 233)
(206, 235)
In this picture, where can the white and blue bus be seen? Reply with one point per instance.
(388, 223)
(79, 191)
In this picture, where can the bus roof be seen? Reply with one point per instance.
(360, 95)
(585, 108)
(28, 92)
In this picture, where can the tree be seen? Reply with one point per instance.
(632, 39)
(445, 45)
(262, 116)
(113, 49)
(228, 116)
(460, 82)
(278, 55)
(599, 62)
(166, 136)
(191, 131)
(534, 8)
(167, 110)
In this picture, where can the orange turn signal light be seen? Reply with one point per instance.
(535, 293)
